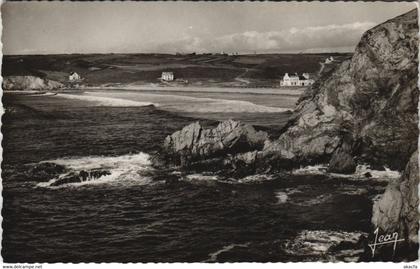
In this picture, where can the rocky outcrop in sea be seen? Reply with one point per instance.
(225, 146)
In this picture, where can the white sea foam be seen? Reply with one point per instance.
(362, 170)
(375, 175)
(320, 244)
(385, 175)
(188, 104)
(255, 178)
(123, 169)
(214, 255)
(227, 106)
(284, 195)
(104, 101)
(281, 197)
(318, 169)
(201, 177)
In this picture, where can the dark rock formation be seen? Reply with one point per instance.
(386, 95)
(363, 111)
(373, 97)
(46, 171)
(22, 83)
(342, 160)
(82, 176)
(195, 144)
(397, 210)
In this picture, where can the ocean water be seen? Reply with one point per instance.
(133, 214)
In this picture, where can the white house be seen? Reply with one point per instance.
(329, 60)
(167, 76)
(74, 77)
(296, 80)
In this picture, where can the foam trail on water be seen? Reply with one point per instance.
(318, 169)
(362, 170)
(104, 101)
(125, 169)
(214, 255)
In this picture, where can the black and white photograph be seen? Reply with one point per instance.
(209, 132)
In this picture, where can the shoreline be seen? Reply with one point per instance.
(203, 89)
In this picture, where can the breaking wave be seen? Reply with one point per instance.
(201, 177)
(209, 178)
(213, 105)
(318, 169)
(363, 172)
(115, 170)
(257, 178)
(376, 174)
(105, 101)
(189, 104)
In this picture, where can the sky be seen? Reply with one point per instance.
(185, 27)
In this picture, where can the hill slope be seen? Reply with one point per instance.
(198, 69)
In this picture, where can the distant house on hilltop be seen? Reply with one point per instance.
(74, 77)
(296, 80)
(167, 76)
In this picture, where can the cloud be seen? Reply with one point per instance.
(295, 39)
(308, 39)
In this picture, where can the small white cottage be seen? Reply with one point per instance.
(167, 76)
(296, 80)
(74, 77)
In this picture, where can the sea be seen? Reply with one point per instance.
(132, 214)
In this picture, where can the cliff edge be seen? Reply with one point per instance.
(366, 108)
(22, 83)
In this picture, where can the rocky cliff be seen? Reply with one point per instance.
(397, 210)
(367, 107)
(364, 111)
(18, 83)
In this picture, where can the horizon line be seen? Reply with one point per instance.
(176, 54)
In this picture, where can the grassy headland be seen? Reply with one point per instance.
(200, 70)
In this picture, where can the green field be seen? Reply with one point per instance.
(259, 70)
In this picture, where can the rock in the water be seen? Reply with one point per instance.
(397, 210)
(193, 143)
(82, 176)
(368, 175)
(45, 171)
